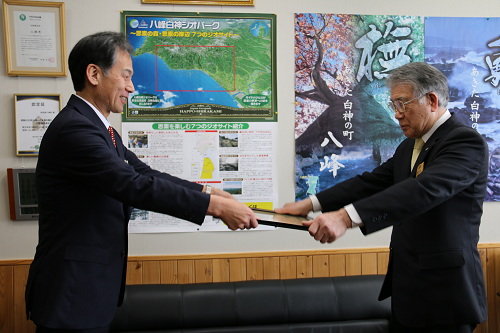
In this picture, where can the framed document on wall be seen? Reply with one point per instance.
(34, 113)
(35, 38)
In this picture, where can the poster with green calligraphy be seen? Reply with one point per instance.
(201, 66)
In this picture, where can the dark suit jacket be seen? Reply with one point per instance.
(435, 275)
(86, 188)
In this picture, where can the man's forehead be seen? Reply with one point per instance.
(125, 63)
(401, 91)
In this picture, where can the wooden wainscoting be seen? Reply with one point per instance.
(255, 266)
(182, 269)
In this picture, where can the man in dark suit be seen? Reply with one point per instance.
(87, 182)
(434, 275)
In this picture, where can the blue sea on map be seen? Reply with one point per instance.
(145, 82)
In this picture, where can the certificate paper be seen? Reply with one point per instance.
(35, 39)
(33, 116)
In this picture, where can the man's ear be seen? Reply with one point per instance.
(433, 101)
(93, 74)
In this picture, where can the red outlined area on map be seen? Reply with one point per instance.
(195, 90)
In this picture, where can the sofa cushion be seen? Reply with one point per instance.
(333, 304)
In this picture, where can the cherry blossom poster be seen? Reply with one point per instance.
(343, 125)
(467, 51)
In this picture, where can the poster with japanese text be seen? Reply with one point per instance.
(238, 157)
(343, 125)
(466, 50)
(204, 107)
(202, 66)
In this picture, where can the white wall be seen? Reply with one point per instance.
(18, 239)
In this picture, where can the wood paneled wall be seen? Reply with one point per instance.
(241, 267)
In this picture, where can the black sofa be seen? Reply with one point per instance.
(335, 305)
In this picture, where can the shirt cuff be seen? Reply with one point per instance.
(353, 214)
(315, 202)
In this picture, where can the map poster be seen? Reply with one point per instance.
(238, 157)
(466, 50)
(343, 125)
(202, 66)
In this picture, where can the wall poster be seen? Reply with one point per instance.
(202, 66)
(204, 106)
(466, 50)
(343, 123)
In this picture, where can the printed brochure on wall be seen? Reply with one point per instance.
(239, 158)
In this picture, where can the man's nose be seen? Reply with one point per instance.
(130, 87)
(398, 115)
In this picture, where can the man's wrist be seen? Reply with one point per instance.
(316, 206)
(354, 216)
(346, 218)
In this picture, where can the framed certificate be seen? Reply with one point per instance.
(34, 113)
(35, 38)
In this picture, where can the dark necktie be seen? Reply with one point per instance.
(112, 133)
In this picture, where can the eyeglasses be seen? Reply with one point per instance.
(400, 107)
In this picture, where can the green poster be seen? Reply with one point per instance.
(202, 66)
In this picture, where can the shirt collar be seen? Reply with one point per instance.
(438, 123)
(103, 119)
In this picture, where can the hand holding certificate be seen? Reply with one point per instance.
(326, 227)
(269, 217)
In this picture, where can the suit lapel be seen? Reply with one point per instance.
(90, 114)
(118, 141)
(402, 160)
(438, 134)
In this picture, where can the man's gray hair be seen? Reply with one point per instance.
(423, 78)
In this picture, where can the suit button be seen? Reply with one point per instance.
(123, 254)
